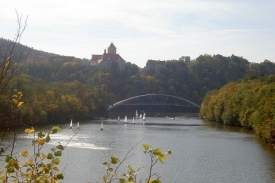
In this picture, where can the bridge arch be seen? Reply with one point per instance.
(140, 96)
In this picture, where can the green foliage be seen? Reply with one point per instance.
(51, 103)
(131, 175)
(249, 103)
(57, 86)
(36, 167)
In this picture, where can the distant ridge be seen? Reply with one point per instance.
(39, 55)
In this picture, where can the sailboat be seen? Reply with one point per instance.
(125, 119)
(77, 125)
(118, 118)
(71, 124)
(137, 116)
(144, 119)
(171, 118)
(101, 127)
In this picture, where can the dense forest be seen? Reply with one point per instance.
(56, 88)
(249, 102)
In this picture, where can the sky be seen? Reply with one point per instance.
(145, 29)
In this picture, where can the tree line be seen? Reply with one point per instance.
(57, 88)
(248, 102)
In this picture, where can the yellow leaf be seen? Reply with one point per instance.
(12, 162)
(20, 94)
(41, 141)
(104, 178)
(114, 160)
(24, 153)
(131, 169)
(146, 146)
(7, 64)
(28, 161)
(29, 130)
(15, 101)
(56, 168)
(162, 158)
(105, 163)
(19, 104)
(42, 156)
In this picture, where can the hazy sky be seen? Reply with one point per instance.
(146, 29)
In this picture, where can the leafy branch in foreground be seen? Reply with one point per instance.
(38, 166)
(130, 176)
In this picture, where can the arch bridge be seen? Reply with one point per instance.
(153, 102)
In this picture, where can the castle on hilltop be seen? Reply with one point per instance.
(109, 59)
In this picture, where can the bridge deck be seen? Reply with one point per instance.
(153, 101)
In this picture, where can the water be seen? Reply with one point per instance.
(201, 151)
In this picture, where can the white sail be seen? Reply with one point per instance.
(125, 119)
(71, 124)
(118, 118)
(136, 114)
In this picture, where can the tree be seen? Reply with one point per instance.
(9, 59)
(248, 103)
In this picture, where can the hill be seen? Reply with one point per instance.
(55, 85)
(248, 102)
(31, 54)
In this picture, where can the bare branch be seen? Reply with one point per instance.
(127, 156)
(8, 64)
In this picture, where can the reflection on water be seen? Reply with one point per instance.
(201, 151)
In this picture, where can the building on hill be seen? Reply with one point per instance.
(154, 64)
(107, 60)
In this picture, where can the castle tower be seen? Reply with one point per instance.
(112, 49)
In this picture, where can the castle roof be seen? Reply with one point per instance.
(112, 45)
(111, 57)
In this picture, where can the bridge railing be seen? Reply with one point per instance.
(123, 102)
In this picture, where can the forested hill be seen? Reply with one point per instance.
(248, 102)
(190, 80)
(6, 45)
(29, 53)
(73, 88)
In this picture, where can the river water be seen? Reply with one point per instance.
(202, 151)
